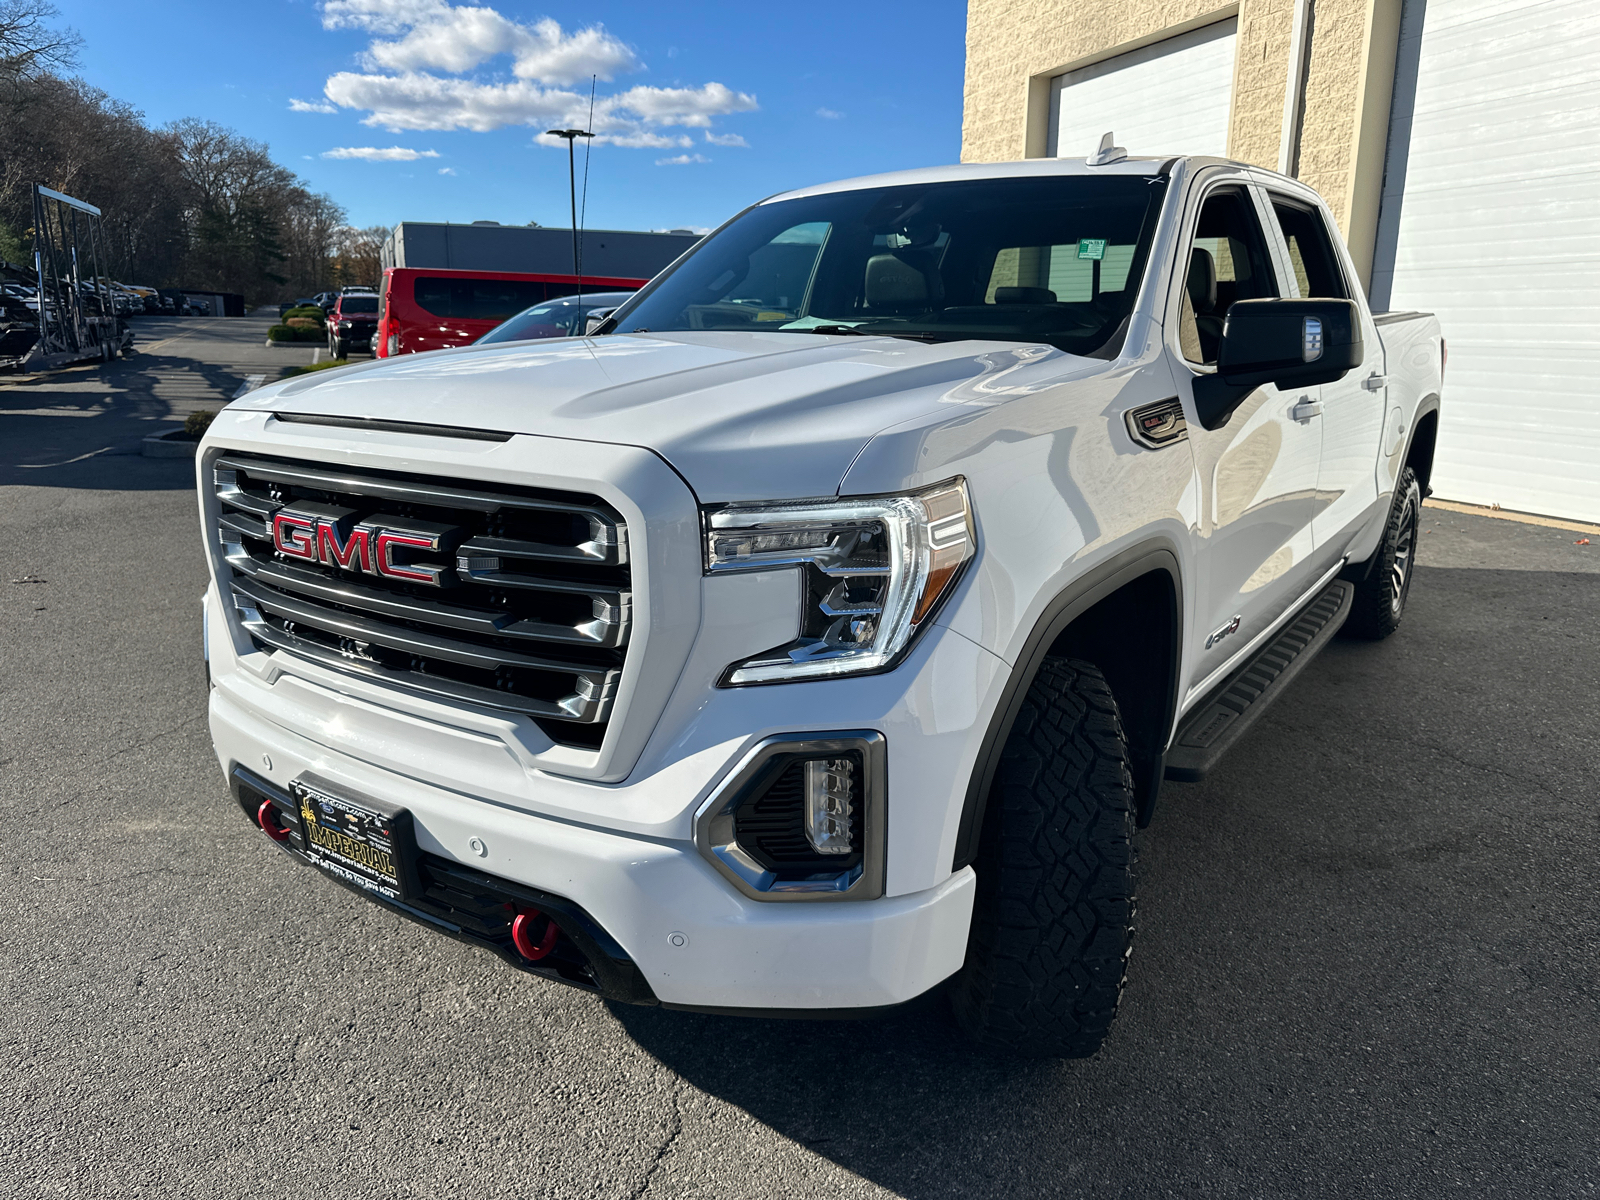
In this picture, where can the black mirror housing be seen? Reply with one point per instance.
(1286, 342)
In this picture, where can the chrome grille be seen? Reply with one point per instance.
(514, 598)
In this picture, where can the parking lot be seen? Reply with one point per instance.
(1368, 959)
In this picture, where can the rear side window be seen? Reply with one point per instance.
(480, 299)
(1311, 253)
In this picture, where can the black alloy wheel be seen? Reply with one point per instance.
(1385, 583)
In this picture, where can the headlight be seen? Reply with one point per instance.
(873, 570)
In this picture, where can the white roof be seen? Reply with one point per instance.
(1025, 169)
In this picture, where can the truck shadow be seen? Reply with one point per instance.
(1325, 931)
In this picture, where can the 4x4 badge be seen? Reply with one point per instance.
(1231, 627)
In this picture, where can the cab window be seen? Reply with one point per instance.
(1311, 252)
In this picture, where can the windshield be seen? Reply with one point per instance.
(557, 318)
(358, 304)
(1056, 259)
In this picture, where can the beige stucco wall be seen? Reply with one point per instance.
(1015, 47)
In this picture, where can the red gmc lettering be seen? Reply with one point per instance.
(384, 552)
(292, 535)
(355, 554)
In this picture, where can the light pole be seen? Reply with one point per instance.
(572, 136)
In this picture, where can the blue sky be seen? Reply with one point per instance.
(818, 91)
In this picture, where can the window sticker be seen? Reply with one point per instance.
(1091, 248)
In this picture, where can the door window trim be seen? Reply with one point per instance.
(1202, 189)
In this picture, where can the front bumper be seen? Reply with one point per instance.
(694, 941)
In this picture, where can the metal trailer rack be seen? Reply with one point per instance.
(77, 317)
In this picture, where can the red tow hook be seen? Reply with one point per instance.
(267, 818)
(522, 935)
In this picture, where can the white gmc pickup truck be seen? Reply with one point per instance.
(815, 633)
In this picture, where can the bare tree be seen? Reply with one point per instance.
(356, 256)
(193, 204)
(29, 46)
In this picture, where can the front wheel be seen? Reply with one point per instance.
(1052, 924)
(1380, 599)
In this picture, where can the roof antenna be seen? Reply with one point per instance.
(1108, 153)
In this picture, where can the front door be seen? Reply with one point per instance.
(1258, 472)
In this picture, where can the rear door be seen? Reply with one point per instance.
(1255, 549)
(1353, 408)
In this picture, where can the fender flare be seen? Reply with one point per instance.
(1357, 572)
(1100, 581)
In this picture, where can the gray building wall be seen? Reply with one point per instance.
(537, 251)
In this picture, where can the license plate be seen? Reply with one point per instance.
(367, 842)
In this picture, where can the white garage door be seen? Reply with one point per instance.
(1491, 218)
(1168, 98)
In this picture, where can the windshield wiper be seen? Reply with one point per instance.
(855, 332)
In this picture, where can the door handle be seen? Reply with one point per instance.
(1375, 382)
(1305, 408)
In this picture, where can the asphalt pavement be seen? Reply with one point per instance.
(1367, 965)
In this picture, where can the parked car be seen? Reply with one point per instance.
(822, 634)
(326, 300)
(423, 309)
(351, 324)
(568, 317)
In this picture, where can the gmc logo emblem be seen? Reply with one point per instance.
(367, 547)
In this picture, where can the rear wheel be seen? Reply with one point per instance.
(1052, 925)
(1380, 599)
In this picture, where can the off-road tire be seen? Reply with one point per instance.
(1380, 599)
(339, 348)
(1052, 924)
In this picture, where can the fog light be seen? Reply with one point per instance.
(830, 804)
(801, 818)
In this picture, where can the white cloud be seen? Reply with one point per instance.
(379, 16)
(457, 38)
(682, 160)
(377, 154)
(828, 114)
(677, 106)
(316, 106)
(726, 139)
(418, 101)
(447, 170)
(633, 141)
(399, 88)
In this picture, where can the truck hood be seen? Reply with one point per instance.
(742, 416)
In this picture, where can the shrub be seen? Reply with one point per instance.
(284, 333)
(196, 423)
(309, 311)
(302, 323)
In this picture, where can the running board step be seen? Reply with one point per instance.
(1222, 718)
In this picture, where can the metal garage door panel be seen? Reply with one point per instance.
(1492, 220)
(1171, 97)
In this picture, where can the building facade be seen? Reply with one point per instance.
(1457, 142)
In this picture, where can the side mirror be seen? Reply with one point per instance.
(1286, 342)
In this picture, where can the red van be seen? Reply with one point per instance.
(425, 309)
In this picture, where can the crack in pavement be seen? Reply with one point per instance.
(674, 1131)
